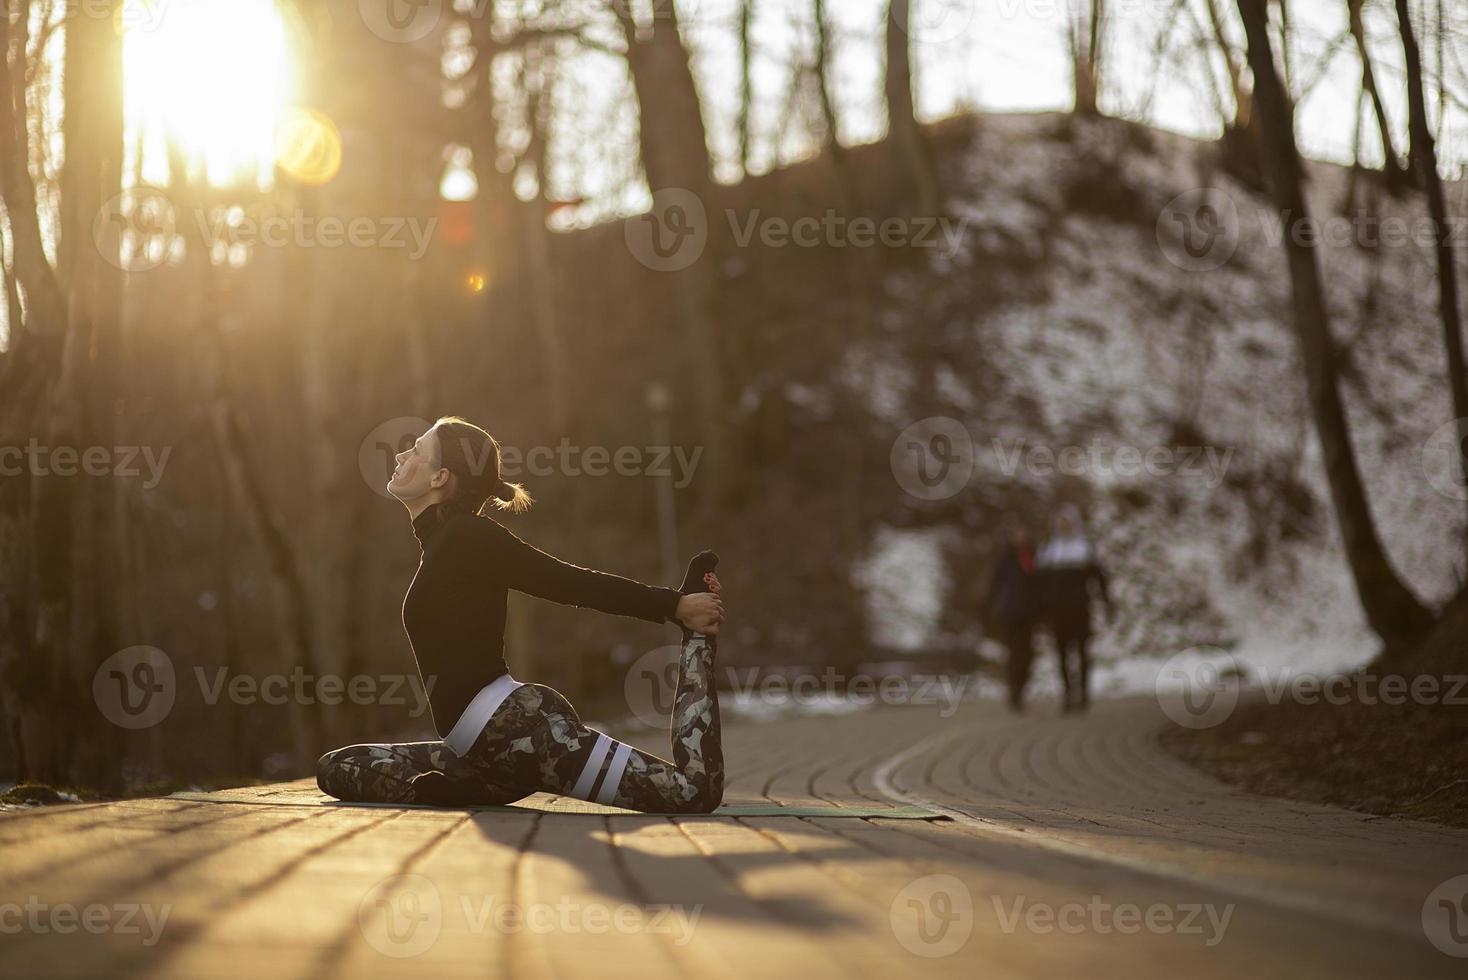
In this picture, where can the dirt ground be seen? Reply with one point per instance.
(1406, 759)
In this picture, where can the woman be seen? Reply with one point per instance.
(1073, 577)
(1012, 604)
(501, 739)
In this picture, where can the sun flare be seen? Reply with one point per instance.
(213, 75)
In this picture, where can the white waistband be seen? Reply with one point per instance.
(477, 715)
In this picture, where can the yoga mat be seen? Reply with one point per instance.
(579, 808)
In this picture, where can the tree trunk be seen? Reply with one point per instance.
(1241, 140)
(1424, 154)
(36, 342)
(846, 190)
(1392, 166)
(537, 241)
(1391, 610)
(74, 559)
(497, 212)
(903, 132)
(1085, 55)
(675, 154)
(746, 83)
(672, 134)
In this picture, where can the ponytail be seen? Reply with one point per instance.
(473, 457)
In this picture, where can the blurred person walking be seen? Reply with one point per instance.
(1072, 578)
(1013, 604)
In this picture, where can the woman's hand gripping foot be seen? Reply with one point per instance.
(701, 612)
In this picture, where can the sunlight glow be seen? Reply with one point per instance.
(213, 75)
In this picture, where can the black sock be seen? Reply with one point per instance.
(700, 565)
(693, 583)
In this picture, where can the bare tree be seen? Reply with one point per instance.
(1393, 612)
(746, 83)
(906, 137)
(1392, 166)
(1084, 36)
(674, 145)
(1424, 157)
(1241, 131)
(845, 181)
(539, 81)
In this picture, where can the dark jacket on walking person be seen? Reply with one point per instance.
(1073, 579)
(1012, 605)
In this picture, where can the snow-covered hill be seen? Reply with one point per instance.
(1075, 316)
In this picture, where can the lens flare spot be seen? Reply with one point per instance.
(308, 146)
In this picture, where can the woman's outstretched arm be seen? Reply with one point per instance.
(525, 568)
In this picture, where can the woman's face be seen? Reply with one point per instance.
(418, 470)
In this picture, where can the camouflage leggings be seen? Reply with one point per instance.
(534, 742)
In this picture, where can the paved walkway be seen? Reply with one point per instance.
(1074, 847)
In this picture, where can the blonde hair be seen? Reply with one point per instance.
(473, 457)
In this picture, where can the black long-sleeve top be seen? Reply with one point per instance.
(454, 611)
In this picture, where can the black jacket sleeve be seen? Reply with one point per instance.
(525, 568)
